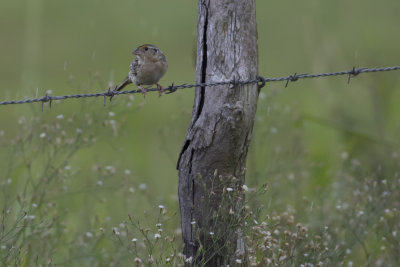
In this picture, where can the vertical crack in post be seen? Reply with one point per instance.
(203, 63)
(199, 110)
(187, 175)
(185, 146)
(203, 69)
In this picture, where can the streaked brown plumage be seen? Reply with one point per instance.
(146, 69)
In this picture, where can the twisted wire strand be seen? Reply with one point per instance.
(260, 80)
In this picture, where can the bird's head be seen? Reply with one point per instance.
(147, 50)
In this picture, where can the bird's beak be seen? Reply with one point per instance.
(136, 51)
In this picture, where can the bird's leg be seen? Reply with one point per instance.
(160, 89)
(144, 91)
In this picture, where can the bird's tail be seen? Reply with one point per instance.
(123, 84)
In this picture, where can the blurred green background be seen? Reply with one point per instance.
(315, 142)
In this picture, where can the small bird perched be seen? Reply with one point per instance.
(147, 68)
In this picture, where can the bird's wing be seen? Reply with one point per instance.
(134, 66)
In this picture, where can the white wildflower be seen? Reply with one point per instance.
(143, 187)
(89, 234)
(29, 217)
(282, 258)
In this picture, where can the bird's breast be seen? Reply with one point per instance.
(150, 73)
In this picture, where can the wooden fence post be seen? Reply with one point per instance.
(213, 157)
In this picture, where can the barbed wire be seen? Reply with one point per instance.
(260, 80)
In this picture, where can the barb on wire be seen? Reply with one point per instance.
(354, 72)
(294, 77)
(171, 89)
(260, 81)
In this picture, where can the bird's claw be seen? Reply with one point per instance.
(144, 91)
(160, 89)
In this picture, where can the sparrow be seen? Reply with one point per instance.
(146, 69)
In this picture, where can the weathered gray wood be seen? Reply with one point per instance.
(222, 120)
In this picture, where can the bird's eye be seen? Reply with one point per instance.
(146, 48)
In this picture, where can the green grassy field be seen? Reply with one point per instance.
(81, 184)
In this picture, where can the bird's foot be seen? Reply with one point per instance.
(144, 91)
(160, 89)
